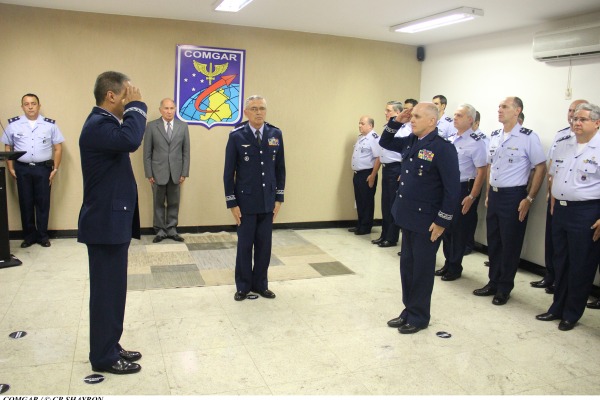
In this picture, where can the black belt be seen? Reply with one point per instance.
(392, 163)
(47, 163)
(363, 170)
(468, 183)
(508, 189)
(575, 203)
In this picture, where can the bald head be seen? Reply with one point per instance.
(167, 109)
(424, 118)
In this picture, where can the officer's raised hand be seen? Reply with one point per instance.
(404, 116)
(132, 93)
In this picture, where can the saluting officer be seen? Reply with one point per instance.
(472, 163)
(35, 170)
(254, 179)
(548, 281)
(427, 199)
(365, 164)
(576, 217)
(391, 162)
(513, 152)
(445, 124)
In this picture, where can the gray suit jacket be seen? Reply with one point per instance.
(163, 159)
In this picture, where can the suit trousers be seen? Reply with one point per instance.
(255, 232)
(505, 234)
(456, 236)
(576, 257)
(417, 267)
(365, 199)
(549, 248)
(33, 186)
(108, 292)
(166, 216)
(389, 185)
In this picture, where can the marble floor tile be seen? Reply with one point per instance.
(50, 290)
(337, 385)
(184, 302)
(165, 247)
(39, 315)
(37, 379)
(38, 347)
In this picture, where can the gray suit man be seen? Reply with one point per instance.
(166, 165)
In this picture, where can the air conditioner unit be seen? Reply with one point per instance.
(564, 44)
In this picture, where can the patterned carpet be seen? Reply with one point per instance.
(208, 259)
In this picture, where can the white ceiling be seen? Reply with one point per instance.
(366, 19)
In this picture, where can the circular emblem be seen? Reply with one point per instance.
(246, 158)
(93, 379)
(252, 296)
(18, 334)
(4, 388)
(443, 335)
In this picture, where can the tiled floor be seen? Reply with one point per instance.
(325, 336)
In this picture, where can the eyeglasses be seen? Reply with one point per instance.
(257, 109)
(579, 119)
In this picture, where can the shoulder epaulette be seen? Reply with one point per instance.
(271, 125)
(563, 138)
(448, 119)
(239, 126)
(13, 119)
(568, 128)
(374, 135)
(525, 131)
(49, 120)
(482, 135)
(475, 136)
(495, 133)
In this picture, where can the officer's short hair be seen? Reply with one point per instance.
(592, 108)
(165, 99)
(396, 106)
(411, 101)
(442, 98)
(518, 103)
(471, 112)
(109, 81)
(30, 95)
(521, 117)
(371, 121)
(477, 117)
(254, 97)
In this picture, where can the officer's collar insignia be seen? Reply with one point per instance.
(13, 119)
(591, 161)
(426, 155)
(273, 141)
(50, 120)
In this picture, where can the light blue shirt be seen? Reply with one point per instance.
(576, 176)
(559, 135)
(366, 151)
(471, 154)
(388, 156)
(512, 159)
(37, 141)
(446, 127)
(483, 137)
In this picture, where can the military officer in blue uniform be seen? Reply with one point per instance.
(445, 124)
(35, 170)
(391, 163)
(575, 207)
(254, 180)
(426, 202)
(514, 151)
(472, 162)
(365, 164)
(109, 216)
(548, 281)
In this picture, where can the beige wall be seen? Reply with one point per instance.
(317, 86)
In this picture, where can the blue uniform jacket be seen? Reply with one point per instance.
(109, 213)
(254, 176)
(429, 189)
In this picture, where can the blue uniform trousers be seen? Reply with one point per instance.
(455, 237)
(365, 199)
(505, 234)
(575, 257)
(417, 267)
(33, 186)
(256, 232)
(108, 292)
(389, 185)
(549, 248)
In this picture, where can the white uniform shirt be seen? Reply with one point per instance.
(366, 151)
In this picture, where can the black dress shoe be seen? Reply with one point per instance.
(158, 239)
(550, 289)
(25, 244)
(121, 367)
(45, 243)
(377, 241)
(177, 238)
(239, 296)
(451, 277)
(547, 317)
(487, 290)
(407, 329)
(386, 243)
(359, 232)
(565, 325)
(352, 229)
(594, 304)
(400, 253)
(266, 294)
(441, 271)
(396, 322)
(486, 263)
(541, 284)
(500, 299)
(130, 356)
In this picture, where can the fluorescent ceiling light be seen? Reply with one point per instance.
(455, 16)
(231, 5)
